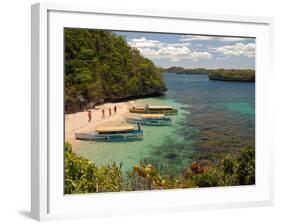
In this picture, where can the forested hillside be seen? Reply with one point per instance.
(100, 66)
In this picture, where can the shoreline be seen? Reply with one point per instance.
(78, 122)
(124, 100)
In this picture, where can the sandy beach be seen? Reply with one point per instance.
(78, 122)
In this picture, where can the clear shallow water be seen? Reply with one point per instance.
(213, 116)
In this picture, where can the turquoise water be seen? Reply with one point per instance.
(213, 116)
(243, 107)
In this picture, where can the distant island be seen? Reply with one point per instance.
(101, 67)
(190, 71)
(241, 75)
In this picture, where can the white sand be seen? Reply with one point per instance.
(78, 122)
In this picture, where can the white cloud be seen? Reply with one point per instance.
(232, 39)
(172, 51)
(143, 42)
(175, 59)
(196, 38)
(211, 49)
(238, 49)
(221, 59)
(189, 38)
(177, 44)
(196, 56)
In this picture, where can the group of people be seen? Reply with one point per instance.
(103, 113)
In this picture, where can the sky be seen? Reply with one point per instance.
(194, 51)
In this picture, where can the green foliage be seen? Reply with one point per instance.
(83, 176)
(246, 167)
(233, 170)
(206, 179)
(100, 66)
(228, 164)
(239, 169)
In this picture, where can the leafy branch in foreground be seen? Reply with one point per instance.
(83, 176)
(147, 177)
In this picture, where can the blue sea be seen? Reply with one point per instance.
(214, 117)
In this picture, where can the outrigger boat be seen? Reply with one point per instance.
(150, 119)
(112, 134)
(167, 110)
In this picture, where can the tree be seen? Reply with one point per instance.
(101, 66)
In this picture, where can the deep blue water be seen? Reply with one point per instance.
(214, 117)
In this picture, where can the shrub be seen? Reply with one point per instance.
(246, 166)
(83, 176)
(239, 169)
(207, 179)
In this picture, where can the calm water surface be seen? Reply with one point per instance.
(214, 117)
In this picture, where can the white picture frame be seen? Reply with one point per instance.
(48, 201)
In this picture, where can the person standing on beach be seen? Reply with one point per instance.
(89, 116)
(109, 111)
(146, 108)
(103, 113)
(115, 109)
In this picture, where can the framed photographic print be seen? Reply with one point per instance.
(139, 111)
